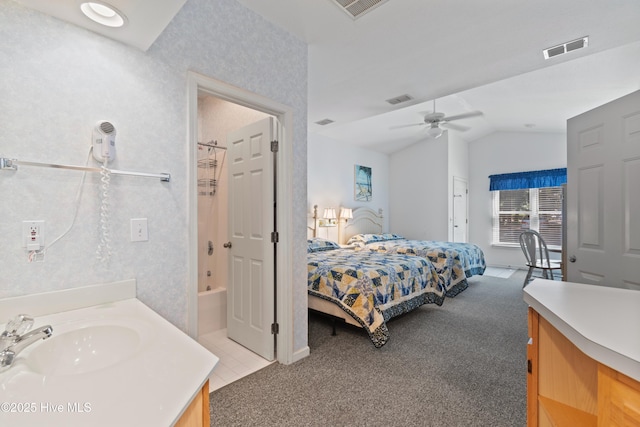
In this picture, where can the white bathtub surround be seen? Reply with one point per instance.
(212, 311)
(161, 372)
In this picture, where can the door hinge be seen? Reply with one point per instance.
(275, 328)
(529, 364)
(274, 237)
(274, 146)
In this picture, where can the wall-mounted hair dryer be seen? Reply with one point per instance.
(104, 142)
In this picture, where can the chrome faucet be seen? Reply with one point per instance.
(15, 338)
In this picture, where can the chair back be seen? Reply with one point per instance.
(535, 249)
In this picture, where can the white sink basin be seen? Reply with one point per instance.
(83, 350)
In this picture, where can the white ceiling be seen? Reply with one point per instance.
(469, 55)
(146, 19)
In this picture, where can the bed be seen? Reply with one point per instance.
(367, 288)
(447, 262)
(454, 262)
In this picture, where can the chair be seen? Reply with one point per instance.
(537, 255)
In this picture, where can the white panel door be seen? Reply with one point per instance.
(460, 223)
(603, 195)
(250, 289)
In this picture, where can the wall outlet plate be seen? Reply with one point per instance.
(33, 235)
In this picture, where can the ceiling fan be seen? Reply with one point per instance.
(436, 119)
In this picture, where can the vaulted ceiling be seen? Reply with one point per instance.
(469, 55)
(466, 54)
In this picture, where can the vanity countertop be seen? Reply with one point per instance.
(603, 322)
(163, 370)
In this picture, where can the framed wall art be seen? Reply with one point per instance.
(363, 188)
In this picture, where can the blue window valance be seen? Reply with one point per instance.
(533, 179)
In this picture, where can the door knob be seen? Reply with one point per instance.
(572, 258)
(226, 245)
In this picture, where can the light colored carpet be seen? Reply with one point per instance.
(462, 364)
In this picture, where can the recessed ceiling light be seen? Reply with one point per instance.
(103, 13)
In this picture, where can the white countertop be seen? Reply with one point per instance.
(603, 322)
(152, 386)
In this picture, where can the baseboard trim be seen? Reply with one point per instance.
(301, 354)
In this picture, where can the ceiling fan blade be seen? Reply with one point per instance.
(464, 116)
(452, 126)
(406, 126)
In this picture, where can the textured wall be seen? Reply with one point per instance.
(59, 80)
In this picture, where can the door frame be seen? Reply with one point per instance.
(284, 211)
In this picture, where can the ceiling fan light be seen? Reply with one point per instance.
(434, 131)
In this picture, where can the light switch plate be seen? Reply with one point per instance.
(139, 230)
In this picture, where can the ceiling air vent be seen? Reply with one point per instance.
(324, 122)
(566, 47)
(399, 99)
(356, 9)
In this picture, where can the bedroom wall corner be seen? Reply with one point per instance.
(419, 176)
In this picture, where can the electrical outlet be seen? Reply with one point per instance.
(33, 235)
(139, 230)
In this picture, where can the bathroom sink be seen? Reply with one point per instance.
(83, 350)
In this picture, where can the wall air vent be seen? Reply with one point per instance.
(399, 99)
(566, 47)
(324, 122)
(356, 8)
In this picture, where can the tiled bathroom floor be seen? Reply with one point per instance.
(235, 360)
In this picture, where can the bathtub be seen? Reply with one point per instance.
(212, 310)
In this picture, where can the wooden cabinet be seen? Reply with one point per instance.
(619, 403)
(197, 414)
(565, 387)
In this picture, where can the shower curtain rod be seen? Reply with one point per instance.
(12, 164)
(208, 144)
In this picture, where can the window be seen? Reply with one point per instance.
(515, 211)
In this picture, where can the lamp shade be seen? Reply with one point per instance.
(329, 213)
(346, 213)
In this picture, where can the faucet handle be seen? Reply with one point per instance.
(19, 325)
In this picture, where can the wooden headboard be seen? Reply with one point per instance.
(365, 221)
